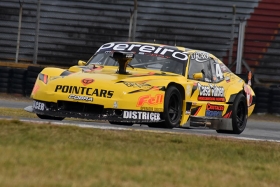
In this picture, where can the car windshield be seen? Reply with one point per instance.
(168, 62)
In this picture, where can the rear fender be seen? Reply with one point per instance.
(186, 91)
(233, 90)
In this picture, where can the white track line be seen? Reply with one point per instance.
(144, 130)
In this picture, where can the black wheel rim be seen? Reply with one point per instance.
(173, 108)
(240, 115)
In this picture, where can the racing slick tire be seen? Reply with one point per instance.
(50, 117)
(172, 112)
(239, 115)
(120, 123)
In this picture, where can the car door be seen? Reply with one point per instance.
(209, 85)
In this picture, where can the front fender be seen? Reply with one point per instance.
(53, 71)
(185, 89)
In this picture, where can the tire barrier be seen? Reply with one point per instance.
(17, 81)
(5, 73)
(263, 100)
(31, 76)
(275, 99)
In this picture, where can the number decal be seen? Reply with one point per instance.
(219, 73)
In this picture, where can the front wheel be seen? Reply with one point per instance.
(50, 117)
(172, 108)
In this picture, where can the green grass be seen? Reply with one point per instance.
(16, 113)
(48, 155)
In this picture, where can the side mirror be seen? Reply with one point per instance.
(82, 63)
(197, 76)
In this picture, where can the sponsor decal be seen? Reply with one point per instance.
(137, 85)
(79, 90)
(157, 88)
(227, 79)
(214, 110)
(129, 55)
(200, 56)
(145, 49)
(87, 81)
(38, 105)
(152, 116)
(150, 100)
(211, 113)
(211, 92)
(78, 97)
(151, 109)
(214, 107)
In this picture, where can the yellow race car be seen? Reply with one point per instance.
(130, 83)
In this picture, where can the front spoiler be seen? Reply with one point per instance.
(109, 114)
(117, 115)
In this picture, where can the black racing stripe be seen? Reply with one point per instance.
(228, 112)
(194, 110)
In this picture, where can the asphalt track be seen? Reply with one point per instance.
(255, 130)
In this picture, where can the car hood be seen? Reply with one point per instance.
(108, 79)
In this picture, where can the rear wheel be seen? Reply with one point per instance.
(172, 108)
(239, 115)
(49, 117)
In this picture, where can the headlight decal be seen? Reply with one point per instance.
(35, 89)
(43, 77)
